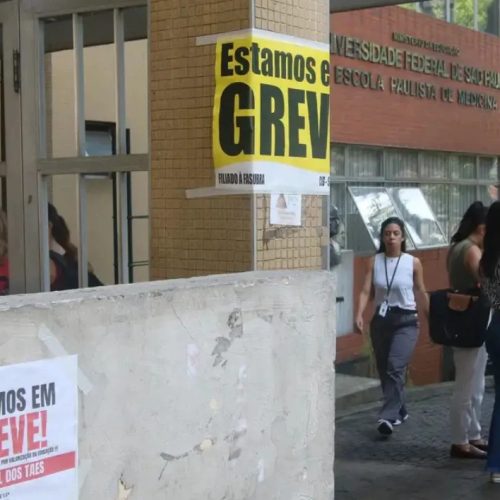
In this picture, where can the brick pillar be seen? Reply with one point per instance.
(192, 237)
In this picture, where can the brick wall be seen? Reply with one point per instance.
(380, 118)
(200, 236)
(301, 247)
(214, 235)
(426, 363)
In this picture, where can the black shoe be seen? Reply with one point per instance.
(384, 427)
(480, 444)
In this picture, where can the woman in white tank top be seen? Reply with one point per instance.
(394, 279)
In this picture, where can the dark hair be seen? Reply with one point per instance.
(473, 217)
(61, 234)
(491, 244)
(387, 222)
(53, 215)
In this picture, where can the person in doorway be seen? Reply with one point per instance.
(470, 363)
(64, 256)
(489, 272)
(62, 253)
(4, 261)
(394, 280)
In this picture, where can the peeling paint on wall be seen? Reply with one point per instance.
(222, 344)
(260, 471)
(123, 490)
(192, 355)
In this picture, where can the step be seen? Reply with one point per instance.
(353, 391)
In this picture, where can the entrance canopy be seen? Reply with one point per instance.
(344, 5)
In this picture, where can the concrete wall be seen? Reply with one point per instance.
(207, 388)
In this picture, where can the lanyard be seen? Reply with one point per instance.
(389, 284)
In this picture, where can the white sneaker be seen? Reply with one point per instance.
(401, 420)
(384, 427)
(495, 477)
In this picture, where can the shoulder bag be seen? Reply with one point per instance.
(458, 319)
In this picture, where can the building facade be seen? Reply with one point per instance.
(415, 104)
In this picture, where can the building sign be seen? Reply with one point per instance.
(271, 114)
(425, 44)
(39, 430)
(483, 80)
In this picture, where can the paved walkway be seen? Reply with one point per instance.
(413, 464)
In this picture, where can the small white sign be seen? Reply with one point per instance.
(286, 209)
(39, 430)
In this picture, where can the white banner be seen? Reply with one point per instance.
(39, 430)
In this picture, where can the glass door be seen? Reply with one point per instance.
(11, 166)
(86, 144)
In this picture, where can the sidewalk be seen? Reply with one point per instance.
(413, 464)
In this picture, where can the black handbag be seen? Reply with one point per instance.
(458, 319)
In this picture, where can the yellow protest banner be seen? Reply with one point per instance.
(271, 118)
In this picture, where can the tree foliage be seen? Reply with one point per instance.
(462, 11)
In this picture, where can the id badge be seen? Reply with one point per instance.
(383, 309)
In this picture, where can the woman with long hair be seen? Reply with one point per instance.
(62, 253)
(470, 362)
(489, 270)
(394, 279)
(64, 256)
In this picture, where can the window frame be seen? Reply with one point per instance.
(347, 181)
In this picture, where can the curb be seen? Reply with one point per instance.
(367, 399)
(355, 399)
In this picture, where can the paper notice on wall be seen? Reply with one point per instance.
(286, 209)
(39, 430)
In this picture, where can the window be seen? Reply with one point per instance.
(337, 161)
(482, 15)
(375, 204)
(463, 13)
(434, 8)
(434, 165)
(401, 164)
(364, 162)
(448, 184)
(488, 18)
(462, 167)
(488, 169)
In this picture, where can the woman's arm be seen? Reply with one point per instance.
(472, 259)
(419, 286)
(365, 295)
